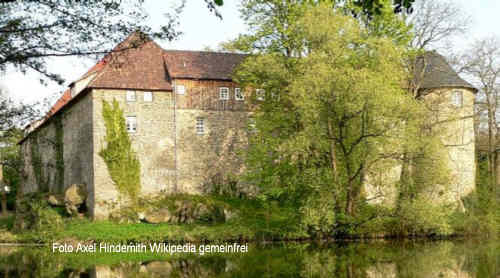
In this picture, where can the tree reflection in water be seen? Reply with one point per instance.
(372, 260)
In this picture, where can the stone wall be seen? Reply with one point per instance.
(75, 154)
(455, 126)
(456, 129)
(173, 157)
(38, 154)
(213, 157)
(154, 143)
(78, 146)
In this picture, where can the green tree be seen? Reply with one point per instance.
(31, 31)
(334, 115)
(11, 162)
(271, 23)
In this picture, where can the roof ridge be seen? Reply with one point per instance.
(204, 51)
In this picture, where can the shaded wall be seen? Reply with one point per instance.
(59, 153)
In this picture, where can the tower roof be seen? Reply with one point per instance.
(433, 71)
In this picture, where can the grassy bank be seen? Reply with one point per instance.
(255, 222)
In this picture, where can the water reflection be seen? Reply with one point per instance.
(371, 260)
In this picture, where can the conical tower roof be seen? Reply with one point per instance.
(433, 72)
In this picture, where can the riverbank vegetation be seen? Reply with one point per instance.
(339, 137)
(254, 221)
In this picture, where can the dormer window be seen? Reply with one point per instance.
(223, 93)
(130, 95)
(457, 99)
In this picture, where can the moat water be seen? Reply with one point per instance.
(457, 258)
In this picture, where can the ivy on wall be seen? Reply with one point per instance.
(36, 163)
(122, 162)
(59, 153)
(41, 171)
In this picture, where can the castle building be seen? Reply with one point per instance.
(450, 101)
(186, 119)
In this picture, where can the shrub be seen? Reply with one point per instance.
(34, 212)
(420, 217)
(318, 214)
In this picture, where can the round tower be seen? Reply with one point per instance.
(451, 101)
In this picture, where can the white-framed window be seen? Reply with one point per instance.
(131, 122)
(148, 96)
(261, 93)
(238, 94)
(130, 95)
(457, 98)
(180, 89)
(200, 126)
(223, 93)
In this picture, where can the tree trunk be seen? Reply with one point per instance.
(4, 203)
(333, 155)
(491, 147)
(349, 208)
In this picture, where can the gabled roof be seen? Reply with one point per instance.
(437, 73)
(139, 63)
(201, 64)
(66, 96)
(136, 63)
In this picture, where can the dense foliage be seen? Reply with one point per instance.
(336, 121)
(122, 162)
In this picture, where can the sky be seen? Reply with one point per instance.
(203, 29)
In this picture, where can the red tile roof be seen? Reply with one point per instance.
(60, 102)
(139, 63)
(136, 63)
(201, 64)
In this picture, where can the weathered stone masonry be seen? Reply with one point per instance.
(175, 155)
(77, 149)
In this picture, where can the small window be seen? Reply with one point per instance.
(130, 95)
(260, 94)
(238, 94)
(457, 99)
(148, 96)
(224, 93)
(200, 125)
(131, 122)
(180, 89)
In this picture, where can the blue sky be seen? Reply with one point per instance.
(201, 28)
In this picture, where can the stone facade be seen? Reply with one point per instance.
(189, 137)
(456, 125)
(456, 131)
(173, 157)
(74, 150)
